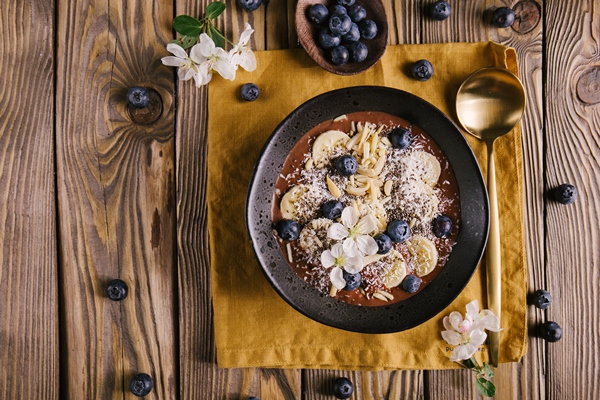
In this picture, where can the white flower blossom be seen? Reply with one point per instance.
(355, 233)
(188, 66)
(339, 260)
(483, 319)
(215, 59)
(241, 54)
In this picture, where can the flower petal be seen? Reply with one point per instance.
(337, 250)
(452, 337)
(327, 259)
(185, 74)
(337, 278)
(225, 68)
(248, 61)
(172, 61)
(367, 224)
(354, 264)
(473, 310)
(206, 46)
(245, 36)
(490, 322)
(350, 247)
(349, 217)
(477, 337)
(455, 318)
(196, 54)
(463, 352)
(367, 245)
(177, 50)
(337, 231)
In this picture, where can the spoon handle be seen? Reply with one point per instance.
(493, 256)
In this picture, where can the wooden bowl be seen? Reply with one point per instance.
(308, 36)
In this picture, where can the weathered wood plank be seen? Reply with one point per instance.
(115, 196)
(29, 333)
(573, 156)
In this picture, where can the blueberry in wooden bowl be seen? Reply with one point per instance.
(329, 31)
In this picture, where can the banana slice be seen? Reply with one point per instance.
(428, 165)
(287, 205)
(397, 271)
(423, 253)
(324, 146)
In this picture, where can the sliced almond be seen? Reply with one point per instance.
(333, 189)
(387, 188)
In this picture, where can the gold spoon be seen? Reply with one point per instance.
(489, 104)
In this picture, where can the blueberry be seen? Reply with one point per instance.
(340, 55)
(357, 13)
(249, 92)
(346, 3)
(346, 165)
(318, 13)
(400, 137)
(117, 290)
(411, 283)
(252, 398)
(503, 17)
(384, 243)
(332, 209)
(440, 10)
(328, 40)
(540, 299)
(352, 280)
(288, 229)
(422, 70)
(141, 385)
(340, 24)
(249, 5)
(398, 230)
(368, 28)
(358, 51)
(353, 34)
(337, 10)
(138, 97)
(565, 193)
(442, 226)
(342, 388)
(550, 331)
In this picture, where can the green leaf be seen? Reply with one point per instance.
(485, 387)
(489, 371)
(215, 9)
(469, 363)
(215, 34)
(187, 26)
(188, 41)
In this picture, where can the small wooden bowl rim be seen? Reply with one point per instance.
(307, 33)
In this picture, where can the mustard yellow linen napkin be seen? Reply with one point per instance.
(254, 327)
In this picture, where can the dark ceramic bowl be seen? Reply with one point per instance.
(473, 229)
(308, 36)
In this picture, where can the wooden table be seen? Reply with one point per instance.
(90, 192)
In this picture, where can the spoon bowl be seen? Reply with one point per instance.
(489, 103)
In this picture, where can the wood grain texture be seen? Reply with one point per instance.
(116, 200)
(29, 342)
(573, 156)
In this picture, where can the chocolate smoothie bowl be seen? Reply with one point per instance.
(367, 210)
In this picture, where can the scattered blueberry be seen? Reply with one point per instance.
(141, 385)
(440, 10)
(346, 3)
(398, 230)
(318, 13)
(288, 229)
(342, 388)
(540, 299)
(117, 290)
(565, 193)
(422, 70)
(358, 51)
(249, 5)
(327, 40)
(384, 243)
(550, 331)
(340, 55)
(252, 398)
(337, 10)
(503, 17)
(332, 209)
(353, 34)
(442, 226)
(340, 24)
(368, 28)
(352, 280)
(249, 92)
(138, 97)
(400, 137)
(357, 13)
(411, 283)
(346, 165)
